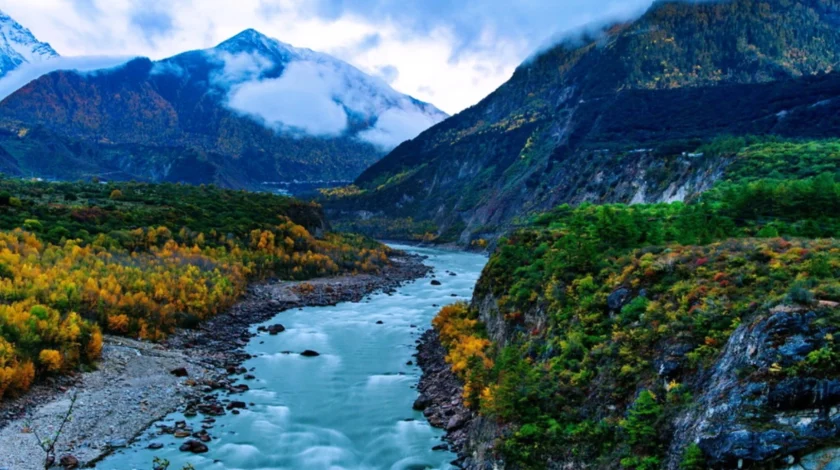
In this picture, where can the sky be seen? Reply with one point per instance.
(451, 53)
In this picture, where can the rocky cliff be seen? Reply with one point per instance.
(649, 337)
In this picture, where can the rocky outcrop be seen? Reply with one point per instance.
(468, 434)
(755, 408)
(440, 392)
(751, 411)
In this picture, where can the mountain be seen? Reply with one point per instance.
(249, 111)
(612, 116)
(19, 46)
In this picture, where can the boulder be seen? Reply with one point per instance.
(239, 388)
(456, 422)
(179, 372)
(422, 402)
(310, 353)
(435, 282)
(196, 447)
(67, 462)
(618, 299)
(276, 329)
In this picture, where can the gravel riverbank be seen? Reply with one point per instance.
(134, 385)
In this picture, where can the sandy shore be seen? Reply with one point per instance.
(134, 387)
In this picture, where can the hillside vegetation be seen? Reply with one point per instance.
(599, 334)
(80, 259)
(613, 117)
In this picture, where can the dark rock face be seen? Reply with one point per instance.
(617, 299)
(750, 415)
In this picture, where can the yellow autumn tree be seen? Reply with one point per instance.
(50, 359)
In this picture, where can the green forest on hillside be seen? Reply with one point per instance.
(763, 237)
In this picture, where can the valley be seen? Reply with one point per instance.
(252, 255)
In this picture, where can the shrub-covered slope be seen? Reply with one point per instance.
(685, 336)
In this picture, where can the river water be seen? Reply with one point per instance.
(349, 408)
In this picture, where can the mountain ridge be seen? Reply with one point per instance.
(19, 46)
(138, 120)
(526, 146)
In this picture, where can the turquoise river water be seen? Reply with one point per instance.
(349, 408)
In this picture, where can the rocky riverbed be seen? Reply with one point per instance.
(468, 434)
(440, 395)
(138, 383)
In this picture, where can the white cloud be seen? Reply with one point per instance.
(302, 98)
(397, 125)
(321, 96)
(21, 76)
(450, 54)
(242, 67)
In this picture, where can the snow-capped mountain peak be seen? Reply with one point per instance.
(19, 46)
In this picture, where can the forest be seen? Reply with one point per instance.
(79, 260)
(692, 272)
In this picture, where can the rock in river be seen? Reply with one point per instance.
(196, 447)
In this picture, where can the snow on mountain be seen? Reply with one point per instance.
(19, 46)
(297, 89)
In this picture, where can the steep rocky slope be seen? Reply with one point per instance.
(613, 117)
(666, 336)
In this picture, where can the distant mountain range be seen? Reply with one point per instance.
(18, 46)
(250, 111)
(614, 116)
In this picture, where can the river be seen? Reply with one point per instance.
(349, 408)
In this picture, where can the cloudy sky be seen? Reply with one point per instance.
(450, 53)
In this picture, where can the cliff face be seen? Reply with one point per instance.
(581, 121)
(742, 418)
(668, 336)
